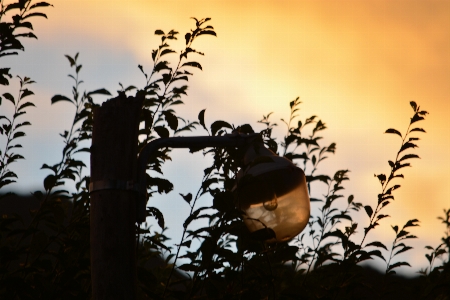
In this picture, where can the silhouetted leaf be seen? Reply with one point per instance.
(57, 98)
(163, 185)
(192, 64)
(377, 244)
(9, 97)
(201, 118)
(407, 156)
(188, 268)
(159, 32)
(187, 197)
(26, 92)
(398, 264)
(18, 134)
(416, 118)
(323, 178)
(99, 92)
(26, 104)
(49, 182)
(350, 199)
(218, 125)
(392, 130)
(407, 145)
(171, 120)
(153, 211)
(161, 131)
(368, 210)
(40, 4)
(187, 37)
(71, 60)
(166, 51)
(411, 223)
(210, 32)
(36, 14)
(413, 105)
(417, 129)
(381, 178)
(404, 249)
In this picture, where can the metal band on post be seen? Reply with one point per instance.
(112, 184)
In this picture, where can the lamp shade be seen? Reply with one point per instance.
(272, 193)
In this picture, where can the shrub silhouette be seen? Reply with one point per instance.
(45, 253)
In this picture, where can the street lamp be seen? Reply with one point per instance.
(271, 191)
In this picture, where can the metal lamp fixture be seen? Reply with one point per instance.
(272, 192)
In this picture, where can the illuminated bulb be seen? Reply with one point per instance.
(272, 193)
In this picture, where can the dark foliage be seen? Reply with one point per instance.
(44, 239)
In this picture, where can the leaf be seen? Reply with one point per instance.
(192, 64)
(171, 120)
(162, 65)
(18, 134)
(218, 125)
(57, 98)
(161, 131)
(408, 156)
(395, 228)
(26, 92)
(166, 78)
(416, 118)
(417, 129)
(142, 70)
(163, 185)
(394, 131)
(154, 212)
(26, 104)
(377, 244)
(71, 60)
(166, 51)
(323, 178)
(187, 197)
(404, 249)
(159, 32)
(40, 4)
(49, 182)
(36, 14)
(188, 267)
(350, 199)
(190, 218)
(201, 118)
(210, 32)
(381, 178)
(407, 145)
(9, 97)
(398, 264)
(100, 92)
(411, 223)
(413, 105)
(187, 37)
(369, 210)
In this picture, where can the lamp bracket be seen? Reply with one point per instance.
(191, 142)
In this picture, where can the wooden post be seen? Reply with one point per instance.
(113, 208)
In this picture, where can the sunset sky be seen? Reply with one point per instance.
(354, 64)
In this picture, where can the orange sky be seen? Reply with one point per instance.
(355, 64)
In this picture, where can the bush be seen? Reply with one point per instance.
(47, 255)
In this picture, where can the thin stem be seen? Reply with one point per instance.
(197, 196)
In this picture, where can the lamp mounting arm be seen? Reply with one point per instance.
(192, 142)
